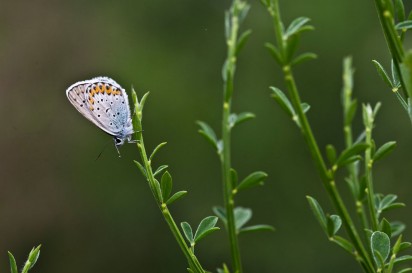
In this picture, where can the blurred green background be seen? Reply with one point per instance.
(99, 216)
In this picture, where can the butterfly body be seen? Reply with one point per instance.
(105, 103)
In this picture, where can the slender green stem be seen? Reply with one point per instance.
(326, 175)
(225, 153)
(368, 171)
(347, 130)
(191, 258)
(392, 38)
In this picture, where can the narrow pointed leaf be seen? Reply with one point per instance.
(242, 117)
(283, 101)
(404, 258)
(242, 216)
(205, 225)
(166, 185)
(384, 150)
(296, 25)
(187, 231)
(244, 37)
(397, 228)
(400, 10)
(158, 191)
(318, 212)
(160, 169)
(207, 132)
(405, 270)
(157, 149)
(13, 266)
(303, 58)
(252, 180)
(382, 73)
(274, 52)
(354, 150)
(257, 228)
(140, 167)
(342, 242)
(175, 197)
(404, 25)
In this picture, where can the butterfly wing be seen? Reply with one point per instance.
(102, 101)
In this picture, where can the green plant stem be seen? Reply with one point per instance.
(191, 258)
(225, 153)
(326, 175)
(392, 38)
(368, 171)
(347, 130)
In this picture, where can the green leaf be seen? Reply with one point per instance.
(143, 101)
(380, 244)
(334, 222)
(224, 270)
(396, 247)
(400, 10)
(175, 197)
(160, 169)
(235, 119)
(305, 107)
(292, 43)
(404, 258)
(350, 114)
(166, 185)
(303, 58)
(342, 242)
(156, 150)
(331, 153)
(283, 101)
(141, 168)
(244, 37)
(233, 177)
(257, 228)
(221, 213)
(252, 180)
(384, 150)
(296, 26)
(405, 270)
(275, 53)
(34, 256)
(385, 226)
(397, 228)
(13, 266)
(187, 230)
(406, 72)
(382, 73)
(354, 150)
(242, 216)
(318, 212)
(207, 132)
(395, 76)
(350, 160)
(206, 226)
(404, 245)
(158, 191)
(405, 25)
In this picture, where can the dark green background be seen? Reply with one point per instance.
(99, 216)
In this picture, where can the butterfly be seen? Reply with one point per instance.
(105, 103)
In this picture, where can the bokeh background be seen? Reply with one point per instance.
(99, 216)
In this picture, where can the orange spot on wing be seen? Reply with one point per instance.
(91, 100)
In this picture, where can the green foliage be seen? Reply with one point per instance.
(206, 227)
(30, 262)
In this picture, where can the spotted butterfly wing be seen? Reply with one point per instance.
(102, 101)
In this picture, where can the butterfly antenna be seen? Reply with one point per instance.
(104, 148)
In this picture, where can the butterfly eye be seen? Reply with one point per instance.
(118, 140)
